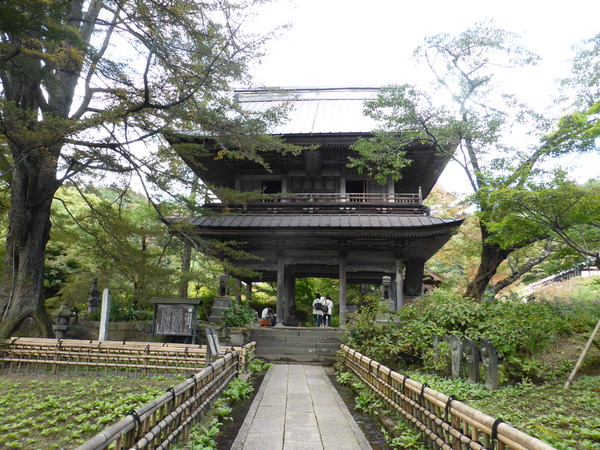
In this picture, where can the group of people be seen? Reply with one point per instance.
(322, 308)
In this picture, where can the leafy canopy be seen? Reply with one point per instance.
(466, 116)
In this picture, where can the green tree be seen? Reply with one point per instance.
(474, 128)
(84, 85)
(457, 261)
(120, 236)
(567, 212)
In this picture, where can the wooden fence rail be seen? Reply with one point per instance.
(168, 418)
(445, 422)
(132, 359)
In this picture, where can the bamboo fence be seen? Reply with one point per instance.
(169, 418)
(131, 359)
(445, 422)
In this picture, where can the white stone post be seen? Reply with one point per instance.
(103, 335)
(399, 279)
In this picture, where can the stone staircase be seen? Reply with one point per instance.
(297, 344)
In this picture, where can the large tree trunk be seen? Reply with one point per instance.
(491, 258)
(186, 261)
(21, 290)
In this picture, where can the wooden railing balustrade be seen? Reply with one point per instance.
(412, 199)
(325, 203)
(132, 359)
(445, 422)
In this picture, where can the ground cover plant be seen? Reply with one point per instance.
(396, 431)
(205, 434)
(46, 411)
(51, 412)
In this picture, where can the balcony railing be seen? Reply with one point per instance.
(310, 197)
(326, 203)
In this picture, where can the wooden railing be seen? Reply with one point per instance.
(169, 418)
(77, 357)
(445, 422)
(411, 199)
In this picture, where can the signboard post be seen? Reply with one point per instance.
(175, 317)
(212, 349)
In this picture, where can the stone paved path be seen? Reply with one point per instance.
(297, 407)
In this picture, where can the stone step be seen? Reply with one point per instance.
(302, 359)
(300, 345)
(297, 339)
(316, 332)
(330, 346)
(295, 351)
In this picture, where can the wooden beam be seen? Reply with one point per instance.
(342, 284)
(280, 289)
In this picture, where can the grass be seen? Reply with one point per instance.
(51, 412)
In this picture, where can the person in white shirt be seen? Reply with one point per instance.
(268, 313)
(317, 311)
(327, 315)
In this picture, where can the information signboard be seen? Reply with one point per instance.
(175, 317)
(175, 320)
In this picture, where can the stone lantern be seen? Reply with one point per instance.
(64, 316)
(94, 299)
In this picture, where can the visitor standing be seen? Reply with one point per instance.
(269, 313)
(327, 311)
(317, 311)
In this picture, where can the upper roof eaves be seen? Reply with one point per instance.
(313, 110)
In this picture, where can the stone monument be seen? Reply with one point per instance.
(94, 299)
(489, 358)
(472, 360)
(456, 353)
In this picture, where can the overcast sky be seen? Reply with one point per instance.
(370, 42)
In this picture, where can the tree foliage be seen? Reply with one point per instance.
(568, 212)
(84, 85)
(467, 117)
(118, 239)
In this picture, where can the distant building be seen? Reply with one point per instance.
(317, 217)
(581, 270)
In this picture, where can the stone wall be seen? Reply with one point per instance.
(117, 331)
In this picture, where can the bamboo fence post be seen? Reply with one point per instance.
(582, 356)
(424, 409)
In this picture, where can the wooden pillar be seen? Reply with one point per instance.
(399, 283)
(280, 289)
(248, 291)
(342, 278)
(289, 294)
(414, 277)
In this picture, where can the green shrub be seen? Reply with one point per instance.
(239, 314)
(520, 331)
